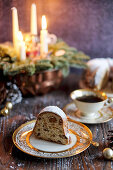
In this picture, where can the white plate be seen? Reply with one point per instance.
(81, 138)
(104, 115)
(46, 146)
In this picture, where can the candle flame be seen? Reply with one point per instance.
(44, 22)
(20, 36)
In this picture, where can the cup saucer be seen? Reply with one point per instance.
(103, 115)
(81, 115)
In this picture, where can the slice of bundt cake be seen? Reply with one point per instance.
(97, 74)
(52, 125)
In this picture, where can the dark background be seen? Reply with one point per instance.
(85, 24)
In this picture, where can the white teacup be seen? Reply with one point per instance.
(86, 108)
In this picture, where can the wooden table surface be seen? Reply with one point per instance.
(12, 158)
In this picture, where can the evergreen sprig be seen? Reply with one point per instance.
(70, 57)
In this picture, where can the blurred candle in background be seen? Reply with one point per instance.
(22, 49)
(34, 20)
(44, 37)
(15, 27)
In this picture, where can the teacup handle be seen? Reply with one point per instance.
(109, 102)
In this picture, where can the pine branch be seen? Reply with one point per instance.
(71, 57)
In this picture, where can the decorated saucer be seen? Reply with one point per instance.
(24, 140)
(104, 115)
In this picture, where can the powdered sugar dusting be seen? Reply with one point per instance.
(110, 62)
(98, 63)
(56, 110)
(102, 65)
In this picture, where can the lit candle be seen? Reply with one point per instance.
(15, 27)
(44, 37)
(22, 49)
(33, 19)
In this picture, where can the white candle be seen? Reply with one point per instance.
(33, 19)
(44, 37)
(15, 27)
(22, 49)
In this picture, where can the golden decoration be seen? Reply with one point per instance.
(5, 111)
(108, 153)
(9, 105)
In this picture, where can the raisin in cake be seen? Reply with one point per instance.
(52, 125)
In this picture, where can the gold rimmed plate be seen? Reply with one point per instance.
(102, 116)
(24, 140)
